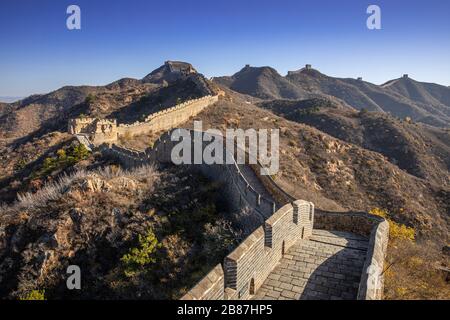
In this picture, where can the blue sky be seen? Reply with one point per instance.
(131, 38)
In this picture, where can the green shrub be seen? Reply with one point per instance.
(20, 165)
(308, 111)
(90, 98)
(79, 152)
(63, 159)
(34, 295)
(141, 256)
(61, 153)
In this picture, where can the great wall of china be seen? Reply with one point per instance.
(103, 130)
(296, 252)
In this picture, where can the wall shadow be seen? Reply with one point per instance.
(337, 278)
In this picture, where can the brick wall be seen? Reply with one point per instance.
(247, 267)
(239, 192)
(107, 131)
(372, 279)
(168, 118)
(210, 287)
(250, 263)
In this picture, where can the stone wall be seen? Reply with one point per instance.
(239, 193)
(211, 287)
(168, 118)
(96, 130)
(107, 131)
(372, 279)
(270, 184)
(248, 266)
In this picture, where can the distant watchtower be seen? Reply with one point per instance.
(360, 78)
(308, 67)
(247, 66)
(405, 76)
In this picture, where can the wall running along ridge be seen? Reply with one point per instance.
(282, 223)
(256, 256)
(107, 131)
(168, 118)
(239, 192)
(246, 268)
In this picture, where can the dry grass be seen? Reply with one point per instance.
(412, 272)
(53, 191)
(141, 141)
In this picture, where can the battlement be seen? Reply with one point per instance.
(248, 267)
(180, 67)
(97, 130)
(103, 130)
(184, 105)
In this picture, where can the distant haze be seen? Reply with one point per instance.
(10, 99)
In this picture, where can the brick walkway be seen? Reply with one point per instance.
(254, 181)
(327, 266)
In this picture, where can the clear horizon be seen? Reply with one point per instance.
(132, 38)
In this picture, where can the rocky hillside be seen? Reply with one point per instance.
(34, 129)
(427, 103)
(3, 107)
(38, 113)
(45, 113)
(418, 149)
(264, 83)
(139, 234)
(337, 175)
(427, 93)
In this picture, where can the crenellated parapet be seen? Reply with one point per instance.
(238, 190)
(247, 267)
(97, 130)
(108, 131)
(282, 220)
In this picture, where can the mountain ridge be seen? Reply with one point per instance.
(432, 108)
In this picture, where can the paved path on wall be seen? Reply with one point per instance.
(85, 141)
(254, 181)
(327, 266)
